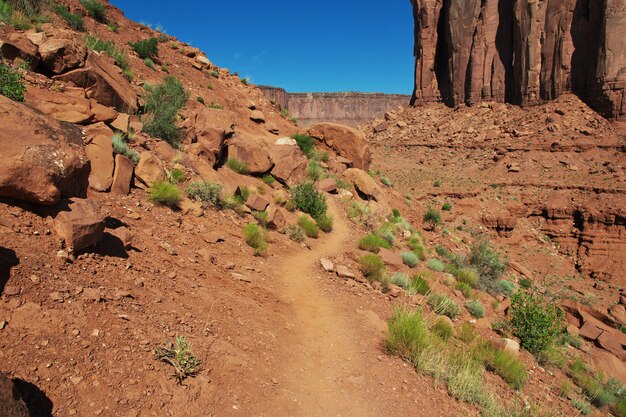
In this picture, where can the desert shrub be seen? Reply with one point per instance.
(441, 304)
(295, 233)
(176, 176)
(592, 386)
(409, 258)
(321, 156)
(505, 287)
(308, 199)
(268, 179)
(314, 171)
(419, 285)
(386, 182)
(488, 265)
(574, 341)
(121, 147)
(413, 242)
(372, 266)
(150, 64)
(74, 20)
(306, 144)
(408, 333)
(467, 276)
(255, 237)
(210, 194)
(535, 320)
(386, 231)
(583, 406)
(619, 407)
(432, 216)
(466, 332)
(180, 356)
(465, 378)
(11, 84)
(95, 9)
(446, 206)
(309, 226)
(27, 7)
(552, 355)
(163, 103)
(98, 45)
(503, 363)
(475, 308)
(241, 195)
(372, 243)
(525, 283)
(465, 289)
(162, 192)
(435, 265)
(262, 217)
(325, 223)
(400, 279)
(238, 166)
(146, 48)
(442, 328)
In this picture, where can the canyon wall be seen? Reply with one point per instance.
(521, 52)
(351, 109)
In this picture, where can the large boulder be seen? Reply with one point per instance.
(17, 45)
(100, 154)
(366, 186)
(344, 140)
(252, 152)
(122, 176)
(209, 140)
(11, 403)
(104, 82)
(150, 169)
(42, 159)
(289, 162)
(60, 106)
(82, 226)
(61, 50)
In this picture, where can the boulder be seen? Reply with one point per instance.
(252, 152)
(17, 45)
(391, 258)
(347, 142)
(121, 122)
(257, 203)
(289, 163)
(60, 106)
(11, 403)
(366, 186)
(42, 159)
(96, 129)
(100, 155)
(327, 265)
(344, 272)
(82, 226)
(102, 113)
(122, 176)
(125, 236)
(165, 151)
(276, 217)
(209, 139)
(327, 185)
(62, 51)
(104, 83)
(257, 116)
(150, 169)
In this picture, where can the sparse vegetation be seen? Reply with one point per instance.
(441, 304)
(95, 9)
(475, 308)
(295, 233)
(488, 265)
(269, 179)
(309, 226)
(308, 199)
(255, 237)
(163, 103)
(146, 48)
(419, 285)
(306, 144)
(535, 320)
(238, 166)
(121, 147)
(150, 63)
(410, 259)
(401, 280)
(165, 193)
(325, 223)
(446, 206)
(386, 182)
(180, 356)
(583, 406)
(74, 20)
(433, 217)
(464, 288)
(372, 266)
(210, 194)
(467, 276)
(372, 243)
(435, 265)
(502, 363)
(11, 84)
(98, 45)
(314, 171)
(176, 176)
(442, 328)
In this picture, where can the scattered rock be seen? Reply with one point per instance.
(257, 203)
(347, 142)
(250, 151)
(82, 226)
(150, 169)
(122, 175)
(344, 272)
(328, 185)
(168, 248)
(327, 264)
(257, 116)
(100, 154)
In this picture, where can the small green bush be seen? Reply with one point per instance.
(314, 171)
(441, 304)
(95, 9)
(163, 103)
(505, 287)
(372, 243)
(464, 288)
(176, 176)
(210, 194)
(435, 265)
(535, 320)
(583, 406)
(502, 363)
(309, 226)
(525, 283)
(26, 7)
(446, 206)
(408, 333)
(75, 21)
(262, 217)
(410, 259)
(372, 266)
(238, 166)
(150, 64)
(386, 182)
(419, 285)
(11, 84)
(466, 332)
(467, 276)
(308, 199)
(442, 328)
(465, 378)
(325, 223)
(432, 216)
(121, 147)
(552, 355)
(255, 237)
(269, 179)
(306, 144)
(146, 48)
(488, 265)
(475, 308)
(401, 280)
(619, 407)
(164, 193)
(414, 242)
(295, 233)
(98, 45)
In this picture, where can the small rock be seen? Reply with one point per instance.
(327, 264)
(241, 277)
(168, 248)
(344, 272)
(514, 167)
(56, 296)
(3, 324)
(35, 279)
(12, 290)
(95, 333)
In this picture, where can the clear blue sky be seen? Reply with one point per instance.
(323, 45)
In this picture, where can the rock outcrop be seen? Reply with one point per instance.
(521, 52)
(347, 142)
(11, 403)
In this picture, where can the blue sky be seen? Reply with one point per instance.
(323, 45)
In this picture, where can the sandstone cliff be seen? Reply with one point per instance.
(521, 51)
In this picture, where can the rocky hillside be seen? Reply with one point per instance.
(521, 52)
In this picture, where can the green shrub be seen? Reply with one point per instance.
(446, 206)
(99, 45)
(488, 265)
(11, 84)
(75, 21)
(306, 144)
(27, 7)
(295, 233)
(150, 64)
(255, 237)
(465, 378)
(372, 243)
(410, 259)
(386, 182)
(325, 223)
(269, 179)
(435, 265)
(475, 308)
(467, 276)
(401, 280)
(238, 166)
(505, 287)
(583, 406)
(419, 285)
(176, 175)
(163, 192)
(309, 226)
(210, 194)
(372, 266)
(535, 320)
(466, 332)
(120, 147)
(163, 103)
(95, 9)
(432, 216)
(314, 171)
(464, 288)
(309, 200)
(593, 387)
(414, 242)
(525, 283)
(442, 328)
(262, 217)
(552, 355)
(502, 363)
(408, 333)
(619, 407)
(146, 48)
(441, 304)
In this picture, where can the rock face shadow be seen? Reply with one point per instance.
(8, 259)
(37, 402)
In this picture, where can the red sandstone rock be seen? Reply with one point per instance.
(100, 155)
(150, 169)
(328, 185)
(80, 227)
(122, 176)
(62, 107)
(250, 151)
(257, 203)
(346, 141)
(289, 163)
(365, 185)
